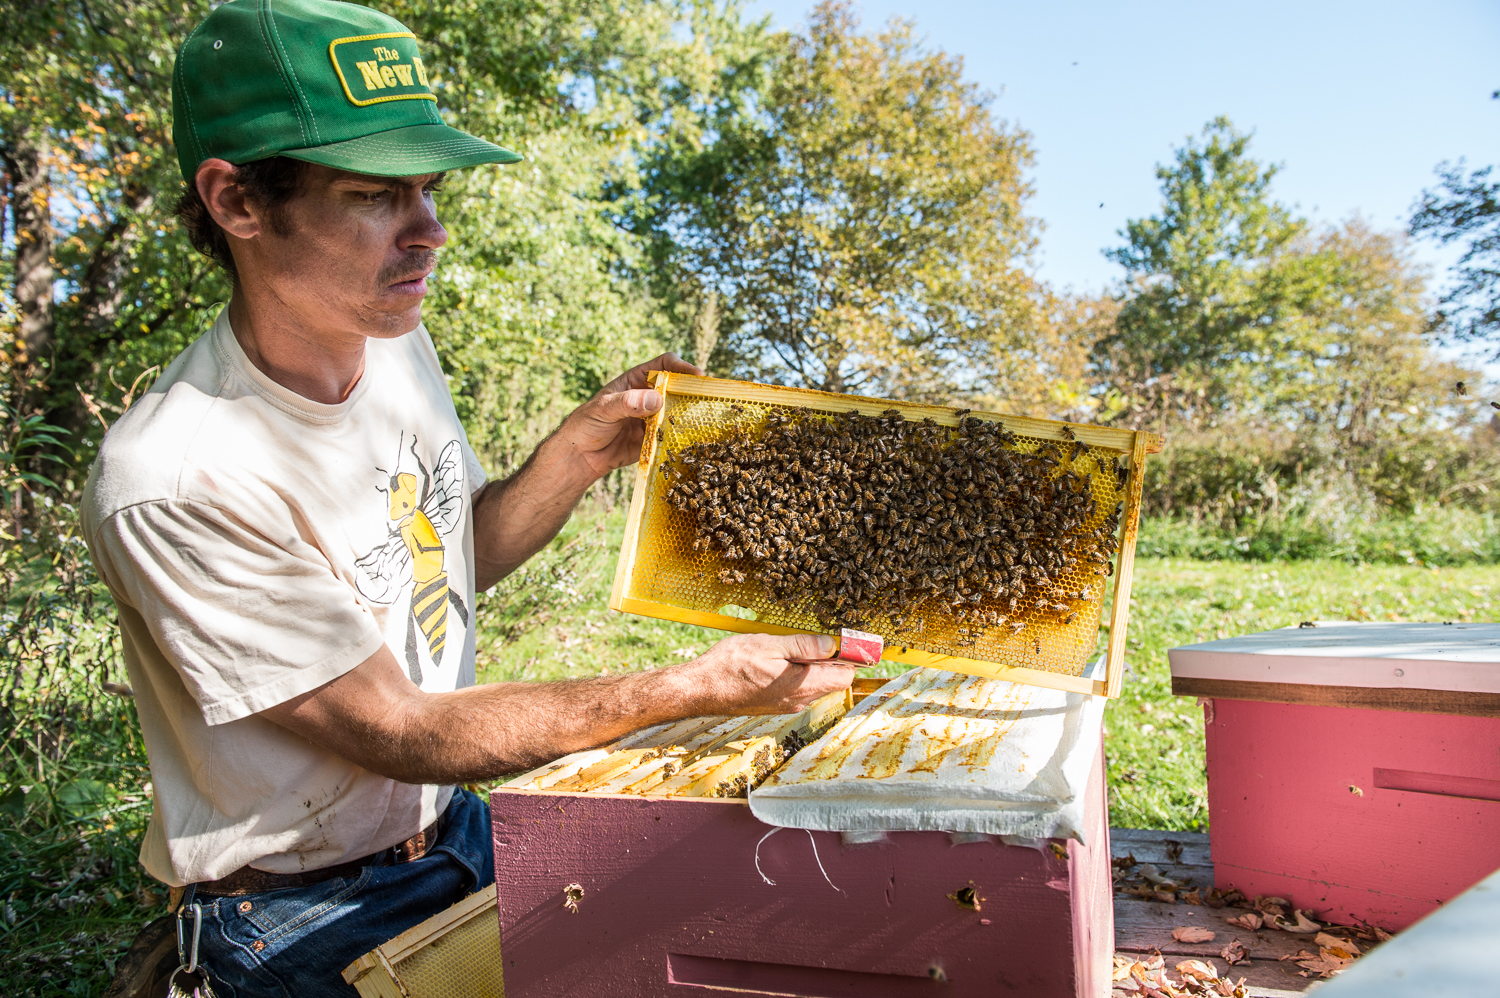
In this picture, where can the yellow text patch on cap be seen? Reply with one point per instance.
(377, 68)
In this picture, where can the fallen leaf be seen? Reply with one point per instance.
(1251, 920)
(1121, 970)
(1324, 964)
(1234, 953)
(1224, 986)
(1343, 948)
(1193, 896)
(1303, 926)
(1301, 954)
(1197, 970)
(1192, 934)
(1380, 934)
(1157, 880)
(1165, 898)
(1272, 906)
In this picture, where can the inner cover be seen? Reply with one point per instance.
(939, 751)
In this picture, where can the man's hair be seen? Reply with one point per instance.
(268, 183)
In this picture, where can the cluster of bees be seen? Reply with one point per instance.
(878, 522)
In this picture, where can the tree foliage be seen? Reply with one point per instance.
(1235, 310)
(1467, 208)
(861, 218)
(1215, 310)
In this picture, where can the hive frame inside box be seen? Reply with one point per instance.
(1132, 444)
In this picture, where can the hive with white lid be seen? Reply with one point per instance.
(1353, 767)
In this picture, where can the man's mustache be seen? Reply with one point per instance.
(411, 266)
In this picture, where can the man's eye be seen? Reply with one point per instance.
(373, 196)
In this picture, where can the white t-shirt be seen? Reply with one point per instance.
(258, 545)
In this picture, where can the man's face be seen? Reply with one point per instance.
(355, 255)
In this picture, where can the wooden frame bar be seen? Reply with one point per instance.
(1134, 444)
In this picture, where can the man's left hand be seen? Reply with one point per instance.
(605, 432)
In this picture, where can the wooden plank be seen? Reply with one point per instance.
(546, 775)
(1154, 845)
(1044, 429)
(603, 770)
(740, 764)
(1457, 702)
(1144, 926)
(1119, 614)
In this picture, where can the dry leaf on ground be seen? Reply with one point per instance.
(1341, 948)
(1303, 926)
(1234, 953)
(1325, 963)
(1192, 934)
(1251, 920)
(1197, 970)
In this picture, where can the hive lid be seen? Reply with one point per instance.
(1455, 657)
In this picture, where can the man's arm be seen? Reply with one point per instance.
(378, 719)
(514, 518)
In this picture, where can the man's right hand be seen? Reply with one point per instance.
(375, 717)
(766, 673)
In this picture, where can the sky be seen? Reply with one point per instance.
(1357, 101)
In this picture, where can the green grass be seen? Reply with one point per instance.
(71, 893)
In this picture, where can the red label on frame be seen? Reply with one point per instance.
(860, 647)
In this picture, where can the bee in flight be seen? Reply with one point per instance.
(423, 508)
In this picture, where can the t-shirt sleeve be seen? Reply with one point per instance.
(247, 622)
(472, 468)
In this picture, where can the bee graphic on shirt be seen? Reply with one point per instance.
(423, 507)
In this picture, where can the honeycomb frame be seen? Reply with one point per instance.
(657, 576)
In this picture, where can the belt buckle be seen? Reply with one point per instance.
(413, 848)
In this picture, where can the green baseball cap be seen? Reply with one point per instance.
(316, 80)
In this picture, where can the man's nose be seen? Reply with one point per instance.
(423, 230)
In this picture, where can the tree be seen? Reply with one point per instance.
(1467, 207)
(1377, 375)
(85, 140)
(858, 213)
(1214, 313)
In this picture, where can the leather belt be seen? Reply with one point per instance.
(249, 881)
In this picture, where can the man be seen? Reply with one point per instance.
(293, 524)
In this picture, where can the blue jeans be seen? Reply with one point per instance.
(297, 942)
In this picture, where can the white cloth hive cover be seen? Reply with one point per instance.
(938, 751)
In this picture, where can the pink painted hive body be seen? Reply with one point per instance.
(1353, 769)
(673, 903)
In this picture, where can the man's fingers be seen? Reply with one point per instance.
(675, 364)
(806, 647)
(637, 403)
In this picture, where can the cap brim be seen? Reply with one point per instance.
(406, 152)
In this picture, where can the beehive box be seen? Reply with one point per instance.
(1353, 767)
(610, 888)
(1047, 643)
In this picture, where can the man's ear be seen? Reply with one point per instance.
(225, 201)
